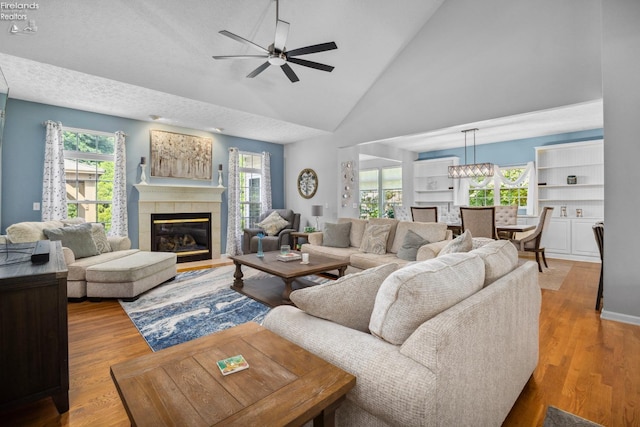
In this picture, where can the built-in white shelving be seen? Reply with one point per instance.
(431, 183)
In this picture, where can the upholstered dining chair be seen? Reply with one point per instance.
(506, 215)
(424, 213)
(480, 221)
(598, 231)
(531, 243)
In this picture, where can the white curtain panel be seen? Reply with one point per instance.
(265, 182)
(119, 222)
(54, 191)
(234, 234)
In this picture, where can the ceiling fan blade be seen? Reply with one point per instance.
(258, 70)
(311, 64)
(240, 56)
(312, 49)
(243, 40)
(289, 72)
(282, 31)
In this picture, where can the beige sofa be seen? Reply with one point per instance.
(450, 341)
(435, 232)
(117, 271)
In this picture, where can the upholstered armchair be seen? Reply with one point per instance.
(271, 242)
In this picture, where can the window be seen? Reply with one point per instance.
(513, 185)
(373, 182)
(250, 171)
(89, 167)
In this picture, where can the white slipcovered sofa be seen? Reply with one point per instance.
(361, 256)
(106, 267)
(450, 341)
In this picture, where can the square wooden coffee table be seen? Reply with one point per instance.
(275, 291)
(182, 385)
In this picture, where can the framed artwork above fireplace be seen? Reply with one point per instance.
(176, 155)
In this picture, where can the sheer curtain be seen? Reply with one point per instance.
(54, 191)
(234, 234)
(119, 222)
(265, 182)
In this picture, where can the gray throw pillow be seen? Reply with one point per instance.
(336, 235)
(75, 237)
(410, 245)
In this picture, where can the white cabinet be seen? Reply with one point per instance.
(431, 183)
(556, 238)
(583, 241)
(571, 238)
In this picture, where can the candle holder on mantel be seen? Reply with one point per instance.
(143, 173)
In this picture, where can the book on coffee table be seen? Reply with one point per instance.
(291, 256)
(232, 364)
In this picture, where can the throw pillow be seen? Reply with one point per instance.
(414, 294)
(99, 237)
(75, 237)
(410, 245)
(462, 243)
(347, 301)
(374, 239)
(499, 257)
(273, 223)
(336, 235)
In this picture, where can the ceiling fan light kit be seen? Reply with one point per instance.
(276, 54)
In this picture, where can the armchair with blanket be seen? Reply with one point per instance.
(277, 231)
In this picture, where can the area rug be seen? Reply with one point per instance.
(552, 278)
(194, 304)
(558, 418)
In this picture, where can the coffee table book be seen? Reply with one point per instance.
(291, 256)
(232, 364)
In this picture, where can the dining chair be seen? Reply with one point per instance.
(531, 243)
(506, 215)
(598, 231)
(424, 213)
(480, 221)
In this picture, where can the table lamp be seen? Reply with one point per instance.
(316, 210)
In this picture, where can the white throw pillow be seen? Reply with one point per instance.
(414, 294)
(273, 223)
(374, 240)
(347, 301)
(462, 243)
(499, 257)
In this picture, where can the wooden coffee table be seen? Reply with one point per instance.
(182, 385)
(270, 290)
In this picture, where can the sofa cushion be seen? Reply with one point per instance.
(341, 254)
(416, 293)
(273, 223)
(348, 300)
(462, 243)
(336, 235)
(357, 230)
(24, 232)
(99, 237)
(392, 223)
(363, 260)
(374, 240)
(431, 231)
(410, 245)
(75, 237)
(78, 270)
(500, 257)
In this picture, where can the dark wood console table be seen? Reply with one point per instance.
(34, 353)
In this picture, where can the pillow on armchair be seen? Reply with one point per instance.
(273, 223)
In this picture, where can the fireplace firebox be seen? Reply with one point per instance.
(186, 234)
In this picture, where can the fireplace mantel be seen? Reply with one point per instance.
(179, 193)
(178, 199)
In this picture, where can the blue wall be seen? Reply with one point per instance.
(23, 158)
(515, 152)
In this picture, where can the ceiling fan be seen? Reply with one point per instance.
(277, 54)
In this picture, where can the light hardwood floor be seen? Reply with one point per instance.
(588, 366)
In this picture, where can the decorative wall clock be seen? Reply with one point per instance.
(307, 183)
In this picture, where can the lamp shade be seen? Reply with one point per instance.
(316, 210)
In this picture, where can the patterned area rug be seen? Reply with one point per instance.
(194, 304)
(558, 418)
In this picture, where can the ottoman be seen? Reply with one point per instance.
(129, 276)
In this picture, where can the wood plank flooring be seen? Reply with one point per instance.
(588, 366)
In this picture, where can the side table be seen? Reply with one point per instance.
(296, 235)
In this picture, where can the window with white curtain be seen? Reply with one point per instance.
(508, 186)
(385, 181)
(250, 172)
(89, 170)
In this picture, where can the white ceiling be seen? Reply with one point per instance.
(153, 57)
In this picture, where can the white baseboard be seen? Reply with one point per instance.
(619, 317)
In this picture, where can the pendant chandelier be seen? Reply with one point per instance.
(473, 170)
